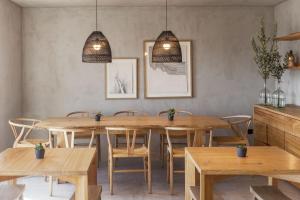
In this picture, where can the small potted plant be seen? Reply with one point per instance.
(39, 151)
(241, 150)
(171, 114)
(98, 116)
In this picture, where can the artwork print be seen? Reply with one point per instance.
(167, 80)
(121, 79)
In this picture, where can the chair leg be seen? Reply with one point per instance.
(149, 175)
(110, 166)
(145, 168)
(162, 151)
(168, 168)
(171, 175)
(50, 185)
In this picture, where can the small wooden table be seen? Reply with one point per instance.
(204, 166)
(78, 166)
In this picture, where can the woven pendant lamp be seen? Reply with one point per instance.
(96, 48)
(166, 48)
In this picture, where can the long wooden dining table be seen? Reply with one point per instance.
(200, 122)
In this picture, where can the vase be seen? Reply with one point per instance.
(241, 152)
(278, 97)
(265, 96)
(171, 117)
(40, 154)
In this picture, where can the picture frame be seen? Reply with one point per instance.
(121, 78)
(168, 80)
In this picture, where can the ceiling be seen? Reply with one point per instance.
(63, 3)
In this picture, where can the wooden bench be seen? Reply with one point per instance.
(267, 193)
(94, 192)
(11, 192)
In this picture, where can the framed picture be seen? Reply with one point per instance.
(168, 80)
(121, 78)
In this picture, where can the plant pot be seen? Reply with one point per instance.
(98, 118)
(40, 154)
(241, 152)
(170, 117)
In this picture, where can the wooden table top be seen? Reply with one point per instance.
(57, 162)
(259, 161)
(201, 122)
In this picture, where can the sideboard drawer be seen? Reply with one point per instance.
(260, 131)
(275, 137)
(292, 144)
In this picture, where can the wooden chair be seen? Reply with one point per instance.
(129, 151)
(141, 135)
(11, 192)
(178, 152)
(22, 128)
(69, 136)
(164, 142)
(239, 125)
(87, 135)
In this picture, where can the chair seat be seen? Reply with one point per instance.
(227, 140)
(123, 153)
(11, 192)
(267, 193)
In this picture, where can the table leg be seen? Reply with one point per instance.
(206, 187)
(189, 176)
(81, 192)
(98, 146)
(92, 173)
(273, 182)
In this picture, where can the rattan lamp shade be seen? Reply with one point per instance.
(166, 49)
(96, 49)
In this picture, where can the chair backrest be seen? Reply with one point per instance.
(79, 114)
(130, 135)
(22, 127)
(70, 139)
(190, 135)
(130, 113)
(177, 112)
(239, 124)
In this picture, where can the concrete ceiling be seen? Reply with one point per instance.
(63, 3)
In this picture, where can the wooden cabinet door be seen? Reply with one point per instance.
(292, 144)
(275, 137)
(260, 132)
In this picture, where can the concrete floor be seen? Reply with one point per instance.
(133, 187)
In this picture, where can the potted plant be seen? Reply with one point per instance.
(39, 151)
(171, 114)
(263, 45)
(98, 116)
(241, 150)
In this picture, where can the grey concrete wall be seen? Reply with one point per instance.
(225, 78)
(56, 82)
(10, 68)
(288, 18)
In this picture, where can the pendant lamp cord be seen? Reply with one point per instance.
(96, 15)
(166, 15)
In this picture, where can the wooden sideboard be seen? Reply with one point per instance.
(277, 127)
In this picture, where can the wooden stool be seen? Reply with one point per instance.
(267, 193)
